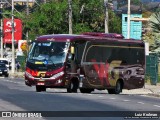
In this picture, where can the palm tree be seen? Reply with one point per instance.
(155, 24)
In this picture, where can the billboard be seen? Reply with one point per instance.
(7, 30)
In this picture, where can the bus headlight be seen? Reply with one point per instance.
(29, 75)
(57, 75)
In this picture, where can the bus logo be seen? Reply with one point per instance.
(42, 74)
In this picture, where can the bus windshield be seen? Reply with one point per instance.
(48, 52)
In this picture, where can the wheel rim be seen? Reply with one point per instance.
(118, 87)
(72, 86)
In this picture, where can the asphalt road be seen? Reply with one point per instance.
(15, 96)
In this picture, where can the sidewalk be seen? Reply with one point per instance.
(16, 74)
(155, 89)
(152, 90)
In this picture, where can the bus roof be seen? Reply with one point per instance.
(87, 37)
(108, 35)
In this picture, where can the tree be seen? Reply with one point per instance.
(155, 24)
(52, 18)
(136, 2)
(49, 18)
(115, 23)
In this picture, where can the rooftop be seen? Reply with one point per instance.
(24, 0)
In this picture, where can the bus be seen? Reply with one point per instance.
(86, 62)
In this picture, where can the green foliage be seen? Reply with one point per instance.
(49, 18)
(136, 2)
(87, 16)
(115, 23)
(149, 37)
(91, 17)
(156, 24)
(147, 79)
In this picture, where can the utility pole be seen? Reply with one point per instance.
(70, 16)
(27, 30)
(129, 15)
(106, 15)
(1, 10)
(1, 6)
(27, 7)
(13, 49)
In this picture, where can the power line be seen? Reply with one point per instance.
(14, 7)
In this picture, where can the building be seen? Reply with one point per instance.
(135, 25)
(24, 2)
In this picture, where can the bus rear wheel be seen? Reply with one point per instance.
(117, 89)
(40, 88)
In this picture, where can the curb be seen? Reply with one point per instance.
(17, 75)
(153, 94)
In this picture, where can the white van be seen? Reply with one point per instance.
(6, 61)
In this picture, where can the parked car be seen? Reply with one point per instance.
(3, 70)
(6, 61)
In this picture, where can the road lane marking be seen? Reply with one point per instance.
(100, 96)
(12, 81)
(140, 102)
(113, 98)
(156, 105)
(126, 100)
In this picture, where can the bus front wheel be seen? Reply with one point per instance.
(40, 88)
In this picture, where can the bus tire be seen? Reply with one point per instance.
(73, 86)
(85, 90)
(110, 91)
(118, 88)
(40, 88)
(44, 88)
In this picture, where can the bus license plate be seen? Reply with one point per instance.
(40, 83)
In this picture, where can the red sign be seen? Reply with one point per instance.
(7, 30)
